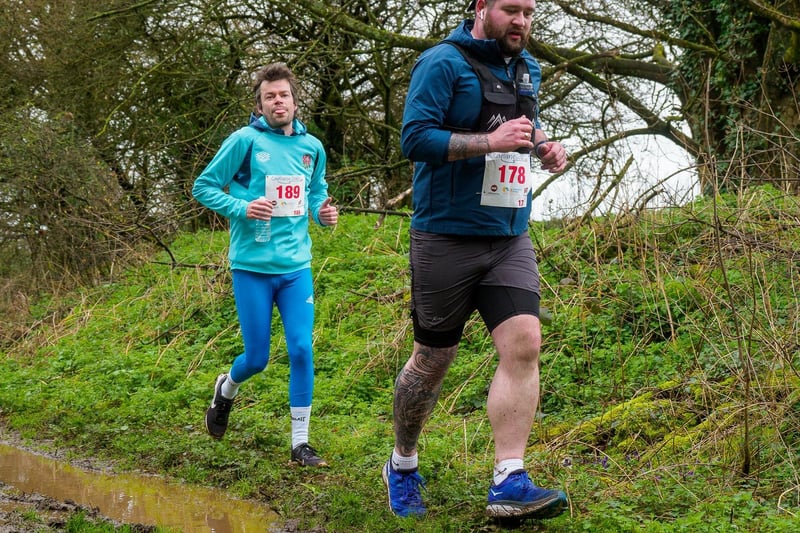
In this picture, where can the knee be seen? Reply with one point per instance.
(254, 367)
(523, 347)
(531, 346)
(523, 330)
(301, 354)
(533, 339)
(429, 365)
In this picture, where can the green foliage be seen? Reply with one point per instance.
(58, 201)
(80, 523)
(68, 521)
(731, 85)
(655, 358)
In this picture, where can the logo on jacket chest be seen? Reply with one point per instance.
(495, 121)
(264, 157)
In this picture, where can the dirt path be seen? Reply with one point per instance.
(23, 513)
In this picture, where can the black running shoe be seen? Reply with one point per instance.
(217, 414)
(305, 455)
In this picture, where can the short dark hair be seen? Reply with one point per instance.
(471, 5)
(274, 72)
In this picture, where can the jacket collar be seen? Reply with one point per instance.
(258, 122)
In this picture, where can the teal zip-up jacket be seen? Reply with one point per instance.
(269, 152)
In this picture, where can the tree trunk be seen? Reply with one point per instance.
(777, 115)
(742, 102)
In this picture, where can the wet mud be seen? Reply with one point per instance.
(45, 491)
(22, 512)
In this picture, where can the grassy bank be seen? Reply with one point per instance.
(669, 376)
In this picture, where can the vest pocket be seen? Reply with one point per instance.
(503, 99)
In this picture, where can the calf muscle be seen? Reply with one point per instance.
(417, 390)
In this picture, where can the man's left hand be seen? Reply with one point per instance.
(553, 156)
(328, 214)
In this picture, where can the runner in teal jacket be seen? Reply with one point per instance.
(267, 151)
(270, 172)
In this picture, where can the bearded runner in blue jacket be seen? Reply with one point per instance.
(470, 125)
(274, 173)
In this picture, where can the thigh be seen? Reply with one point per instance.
(445, 272)
(513, 264)
(251, 290)
(253, 295)
(498, 304)
(295, 300)
(511, 286)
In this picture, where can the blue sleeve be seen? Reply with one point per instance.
(430, 94)
(318, 187)
(209, 187)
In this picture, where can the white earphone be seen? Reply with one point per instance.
(483, 14)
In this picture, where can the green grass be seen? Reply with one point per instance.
(669, 332)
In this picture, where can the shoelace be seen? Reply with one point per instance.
(529, 489)
(223, 407)
(307, 452)
(411, 485)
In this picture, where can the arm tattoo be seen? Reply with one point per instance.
(464, 145)
(416, 392)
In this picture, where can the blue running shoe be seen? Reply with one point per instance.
(518, 497)
(404, 491)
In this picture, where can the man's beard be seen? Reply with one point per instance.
(275, 122)
(500, 36)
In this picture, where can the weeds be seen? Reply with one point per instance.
(669, 376)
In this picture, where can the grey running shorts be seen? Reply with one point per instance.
(452, 275)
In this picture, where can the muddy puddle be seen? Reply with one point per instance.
(129, 498)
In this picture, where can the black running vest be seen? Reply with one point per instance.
(501, 100)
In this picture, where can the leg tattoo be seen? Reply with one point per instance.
(416, 392)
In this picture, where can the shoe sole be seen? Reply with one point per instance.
(300, 462)
(385, 476)
(549, 508)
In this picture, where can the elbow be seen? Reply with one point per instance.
(418, 149)
(406, 146)
(199, 188)
(425, 145)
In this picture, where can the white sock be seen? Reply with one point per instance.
(300, 419)
(505, 467)
(229, 389)
(404, 464)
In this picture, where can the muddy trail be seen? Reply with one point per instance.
(22, 512)
(44, 492)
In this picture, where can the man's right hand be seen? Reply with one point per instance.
(512, 135)
(260, 208)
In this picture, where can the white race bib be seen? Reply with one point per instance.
(288, 195)
(506, 179)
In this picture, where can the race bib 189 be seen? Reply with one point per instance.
(288, 195)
